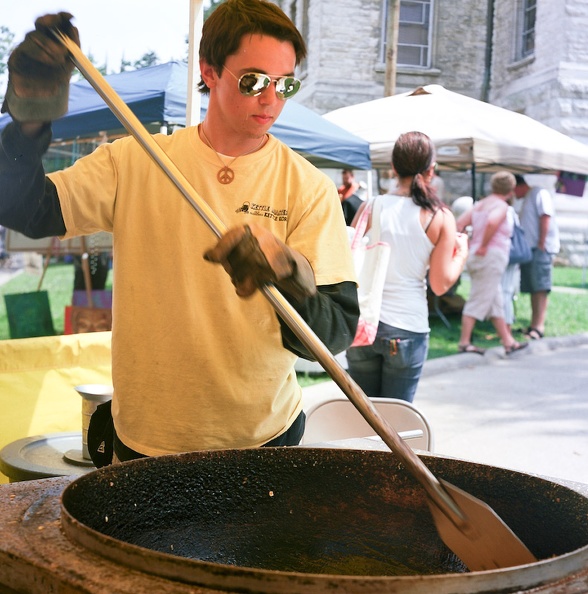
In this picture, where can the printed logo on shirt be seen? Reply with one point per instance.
(260, 210)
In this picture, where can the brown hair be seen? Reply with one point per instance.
(412, 155)
(232, 20)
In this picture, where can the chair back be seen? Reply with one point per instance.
(337, 418)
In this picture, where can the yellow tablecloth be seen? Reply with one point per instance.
(37, 379)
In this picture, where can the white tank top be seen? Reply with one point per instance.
(404, 303)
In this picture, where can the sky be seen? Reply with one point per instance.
(111, 30)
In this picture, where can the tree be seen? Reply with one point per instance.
(6, 45)
(150, 58)
(6, 39)
(213, 4)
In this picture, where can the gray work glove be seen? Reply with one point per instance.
(39, 70)
(254, 257)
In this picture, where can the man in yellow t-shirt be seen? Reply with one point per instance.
(200, 359)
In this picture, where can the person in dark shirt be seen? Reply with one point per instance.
(351, 194)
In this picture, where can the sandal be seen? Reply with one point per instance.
(533, 333)
(515, 346)
(470, 348)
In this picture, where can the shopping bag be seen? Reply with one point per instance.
(79, 320)
(94, 315)
(370, 258)
(88, 318)
(29, 314)
(520, 252)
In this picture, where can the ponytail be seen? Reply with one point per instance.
(413, 154)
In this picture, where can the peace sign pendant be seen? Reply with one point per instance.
(225, 175)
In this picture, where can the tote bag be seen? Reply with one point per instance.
(29, 314)
(520, 252)
(370, 257)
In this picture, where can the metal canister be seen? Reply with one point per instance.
(92, 395)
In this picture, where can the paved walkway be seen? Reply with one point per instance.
(11, 268)
(7, 274)
(526, 412)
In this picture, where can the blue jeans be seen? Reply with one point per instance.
(391, 367)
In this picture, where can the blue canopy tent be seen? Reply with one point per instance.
(158, 94)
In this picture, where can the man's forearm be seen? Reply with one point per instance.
(544, 222)
(28, 200)
(332, 313)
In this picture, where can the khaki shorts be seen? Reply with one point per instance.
(485, 300)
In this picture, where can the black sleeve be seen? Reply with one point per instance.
(28, 200)
(332, 313)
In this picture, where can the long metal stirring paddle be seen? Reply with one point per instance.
(468, 526)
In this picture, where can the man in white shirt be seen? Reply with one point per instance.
(538, 221)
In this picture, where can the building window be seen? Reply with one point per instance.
(414, 33)
(528, 14)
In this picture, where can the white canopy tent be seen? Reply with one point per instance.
(468, 134)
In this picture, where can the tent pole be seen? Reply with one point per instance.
(194, 35)
(474, 182)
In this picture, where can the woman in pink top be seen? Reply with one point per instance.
(488, 259)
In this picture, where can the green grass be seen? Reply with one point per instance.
(574, 278)
(567, 314)
(58, 282)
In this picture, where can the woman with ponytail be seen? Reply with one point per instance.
(422, 234)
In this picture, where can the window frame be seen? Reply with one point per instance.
(424, 63)
(525, 43)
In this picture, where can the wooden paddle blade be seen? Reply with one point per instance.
(484, 541)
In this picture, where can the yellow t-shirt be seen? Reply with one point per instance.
(194, 366)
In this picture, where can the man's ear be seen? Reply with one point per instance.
(208, 73)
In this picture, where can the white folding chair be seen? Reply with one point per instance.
(333, 417)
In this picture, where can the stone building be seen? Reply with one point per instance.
(440, 42)
(540, 62)
(525, 55)
(529, 56)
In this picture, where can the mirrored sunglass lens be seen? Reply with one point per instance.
(253, 84)
(287, 86)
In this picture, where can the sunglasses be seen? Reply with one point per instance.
(253, 84)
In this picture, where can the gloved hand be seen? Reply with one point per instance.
(254, 257)
(39, 70)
